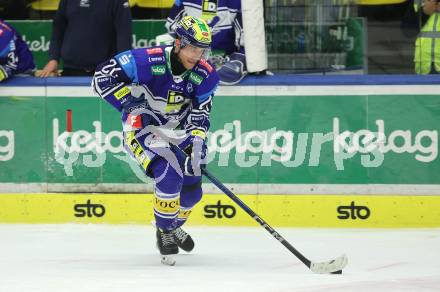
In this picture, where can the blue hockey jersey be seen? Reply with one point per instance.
(15, 56)
(181, 101)
(223, 16)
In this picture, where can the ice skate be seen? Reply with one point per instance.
(183, 239)
(167, 246)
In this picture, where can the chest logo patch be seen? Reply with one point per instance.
(175, 101)
(158, 69)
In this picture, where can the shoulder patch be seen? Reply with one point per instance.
(195, 78)
(154, 51)
(124, 58)
(205, 64)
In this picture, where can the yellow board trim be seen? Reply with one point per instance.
(45, 5)
(152, 3)
(385, 211)
(379, 2)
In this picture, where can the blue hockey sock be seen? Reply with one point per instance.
(168, 184)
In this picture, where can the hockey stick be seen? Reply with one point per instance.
(329, 267)
(334, 266)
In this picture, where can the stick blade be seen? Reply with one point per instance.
(331, 266)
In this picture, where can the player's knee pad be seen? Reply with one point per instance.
(166, 177)
(191, 192)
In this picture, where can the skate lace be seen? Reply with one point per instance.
(167, 238)
(180, 234)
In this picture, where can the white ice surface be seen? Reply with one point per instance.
(107, 258)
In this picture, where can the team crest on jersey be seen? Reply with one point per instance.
(205, 64)
(189, 87)
(175, 101)
(154, 51)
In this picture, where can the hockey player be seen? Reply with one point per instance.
(15, 56)
(224, 18)
(172, 88)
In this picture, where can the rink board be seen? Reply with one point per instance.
(55, 136)
(332, 154)
(357, 211)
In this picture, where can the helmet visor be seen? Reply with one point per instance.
(193, 51)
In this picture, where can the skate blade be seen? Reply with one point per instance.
(167, 260)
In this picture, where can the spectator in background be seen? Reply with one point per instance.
(224, 19)
(15, 56)
(86, 33)
(427, 50)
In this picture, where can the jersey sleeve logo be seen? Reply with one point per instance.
(124, 59)
(122, 92)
